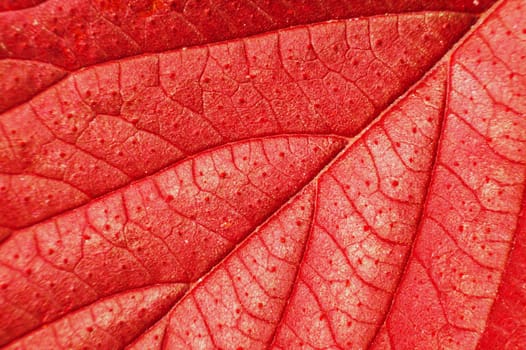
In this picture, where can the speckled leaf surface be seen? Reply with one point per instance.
(262, 174)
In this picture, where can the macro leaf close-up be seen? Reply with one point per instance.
(263, 174)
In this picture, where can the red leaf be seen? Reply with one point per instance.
(68, 35)
(352, 184)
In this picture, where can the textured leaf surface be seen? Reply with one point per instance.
(351, 184)
(107, 125)
(72, 34)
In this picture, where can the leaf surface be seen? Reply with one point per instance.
(68, 35)
(351, 184)
(107, 125)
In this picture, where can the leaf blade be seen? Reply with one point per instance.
(104, 127)
(170, 228)
(472, 211)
